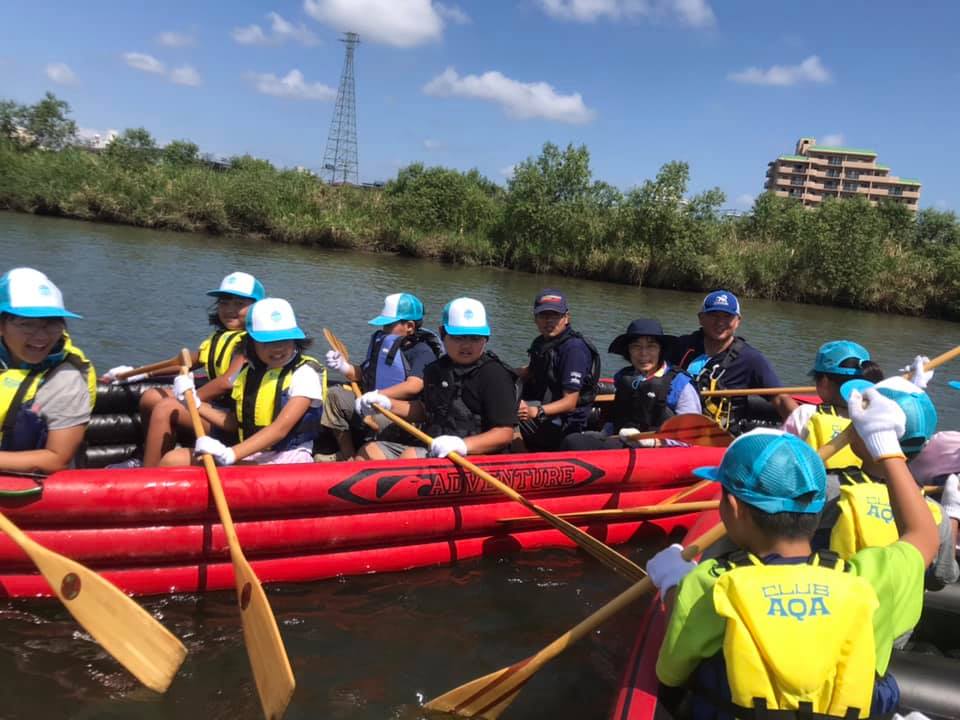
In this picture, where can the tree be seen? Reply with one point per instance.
(47, 121)
(133, 147)
(181, 153)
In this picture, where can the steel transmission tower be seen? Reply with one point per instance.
(340, 157)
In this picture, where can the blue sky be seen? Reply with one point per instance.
(725, 85)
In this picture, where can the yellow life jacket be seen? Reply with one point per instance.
(216, 352)
(798, 637)
(20, 427)
(260, 394)
(823, 427)
(866, 518)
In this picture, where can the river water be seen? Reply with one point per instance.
(368, 647)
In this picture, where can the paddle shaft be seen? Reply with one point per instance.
(171, 366)
(603, 552)
(268, 657)
(335, 344)
(666, 508)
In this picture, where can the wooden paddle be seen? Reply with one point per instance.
(600, 550)
(665, 508)
(337, 345)
(691, 428)
(170, 366)
(124, 629)
(490, 695)
(268, 658)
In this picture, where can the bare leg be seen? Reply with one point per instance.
(166, 416)
(409, 454)
(180, 456)
(371, 451)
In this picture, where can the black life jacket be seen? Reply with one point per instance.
(447, 413)
(542, 378)
(640, 402)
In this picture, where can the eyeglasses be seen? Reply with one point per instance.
(33, 326)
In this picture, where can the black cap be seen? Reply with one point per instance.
(641, 327)
(550, 300)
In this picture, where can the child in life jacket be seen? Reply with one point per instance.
(399, 351)
(278, 396)
(220, 355)
(648, 391)
(469, 399)
(776, 626)
(863, 516)
(48, 386)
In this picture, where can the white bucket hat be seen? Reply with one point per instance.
(29, 293)
(271, 320)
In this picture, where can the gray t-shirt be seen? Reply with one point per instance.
(63, 400)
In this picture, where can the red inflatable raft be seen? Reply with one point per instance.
(155, 531)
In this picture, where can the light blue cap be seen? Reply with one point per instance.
(272, 320)
(773, 471)
(955, 384)
(831, 354)
(240, 284)
(29, 293)
(465, 316)
(397, 307)
(916, 405)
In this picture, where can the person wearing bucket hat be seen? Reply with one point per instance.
(469, 400)
(862, 516)
(220, 355)
(647, 391)
(737, 622)
(278, 396)
(559, 380)
(836, 363)
(718, 359)
(397, 355)
(48, 385)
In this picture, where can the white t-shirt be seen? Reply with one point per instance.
(306, 382)
(796, 423)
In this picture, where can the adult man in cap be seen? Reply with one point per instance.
(718, 359)
(560, 379)
(399, 351)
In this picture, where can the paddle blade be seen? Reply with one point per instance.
(268, 657)
(694, 429)
(488, 696)
(124, 629)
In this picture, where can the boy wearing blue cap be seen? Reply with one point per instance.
(469, 400)
(48, 386)
(718, 359)
(559, 380)
(398, 353)
(278, 396)
(778, 627)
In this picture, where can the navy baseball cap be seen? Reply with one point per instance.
(721, 301)
(773, 471)
(552, 300)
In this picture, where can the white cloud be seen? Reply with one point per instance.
(832, 140)
(176, 39)
(431, 144)
(507, 171)
(61, 74)
(452, 13)
(281, 30)
(292, 86)
(744, 202)
(185, 75)
(519, 100)
(696, 13)
(401, 23)
(810, 70)
(146, 63)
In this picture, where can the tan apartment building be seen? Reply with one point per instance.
(816, 172)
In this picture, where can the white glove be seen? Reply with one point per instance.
(443, 445)
(335, 361)
(918, 376)
(880, 424)
(364, 404)
(182, 383)
(222, 454)
(629, 436)
(111, 375)
(667, 567)
(627, 433)
(950, 499)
